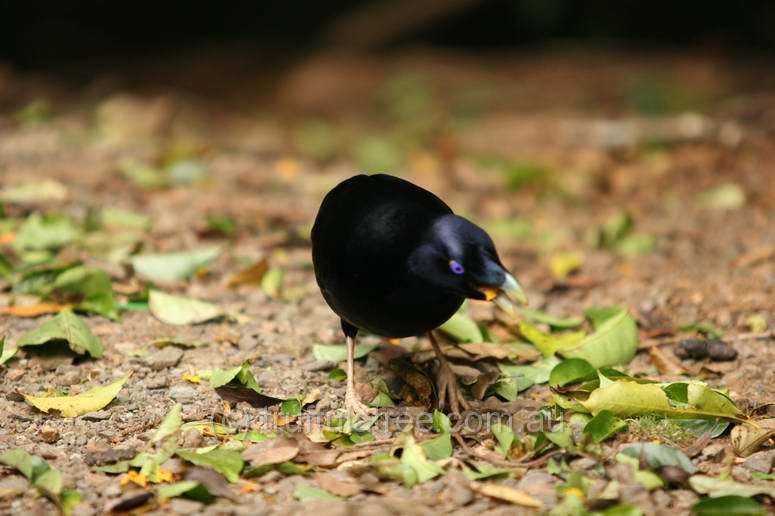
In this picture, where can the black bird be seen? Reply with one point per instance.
(392, 259)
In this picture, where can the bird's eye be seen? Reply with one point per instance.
(455, 267)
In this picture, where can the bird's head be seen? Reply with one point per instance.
(460, 257)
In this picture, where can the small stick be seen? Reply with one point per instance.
(651, 343)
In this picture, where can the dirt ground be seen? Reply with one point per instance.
(591, 135)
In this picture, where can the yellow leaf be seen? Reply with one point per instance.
(74, 406)
(163, 475)
(134, 477)
(506, 493)
(32, 310)
(191, 378)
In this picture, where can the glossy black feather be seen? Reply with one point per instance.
(362, 239)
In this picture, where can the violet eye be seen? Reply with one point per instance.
(455, 267)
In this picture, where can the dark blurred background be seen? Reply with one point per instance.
(69, 36)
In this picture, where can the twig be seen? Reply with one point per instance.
(503, 463)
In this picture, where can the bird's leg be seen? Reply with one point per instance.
(446, 381)
(351, 401)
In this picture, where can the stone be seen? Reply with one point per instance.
(164, 358)
(183, 393)
(184, 506)
(99, 415)
(49, 434)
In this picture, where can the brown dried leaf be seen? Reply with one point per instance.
(250, 275)
(664, 363)
(747, 438)
(338, 483)
(506, 493)
(273, 451)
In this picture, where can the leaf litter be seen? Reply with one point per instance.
(579, 375)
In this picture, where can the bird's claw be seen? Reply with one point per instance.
(448, 390)
(355, 407)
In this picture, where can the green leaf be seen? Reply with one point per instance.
(68, 327)
(272, 282)
(241, 374)
(414, 457)
(32, 192)
(171, 267)
(571, 371)
(717, 487)
(438, 448)
(338, 352)
(710, 401)
(550, 320)
(548, 344)
(600, 315)
(50, 232)
(614, 342)
(305, 493)
(728, 506)
(91, 287)
(179, 310)
(462, 328)
(706, 329)
(505, 436)
(727, 196)
(658, 455)
(291, 407)
(187, 488)
(115, 218)
(382, 399)
(79, 404)
(170, 425)
(537, 372)
(228, 463)
(6, 353)
(338, 375)
(603, 426)
(441, 423)
(624, 398)
(18, 459)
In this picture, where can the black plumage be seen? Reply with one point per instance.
(392, 258)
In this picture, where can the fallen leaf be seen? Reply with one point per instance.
(338, 483)
(32, 310)
(170, 425)
(462, 328)
(731, 505)
(272, 451)
(727, 196)
(40, 232)
(171, 267)
(659, 455)
(6, 352)
(229, 463)
(716, 487)
(249, 276)
(338, 352)
(272, 282)
(31, 192)
(179, 310)
(304, 493)
(663, 363)
(614, 342)
(749, 437)
(79, 404)
(562, 265)
(67, 327)
(603, 426)
(188, 488)
(506, 493)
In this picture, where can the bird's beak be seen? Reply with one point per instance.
(506, 293)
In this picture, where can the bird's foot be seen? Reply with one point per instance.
(448, 390)
(355, 407)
